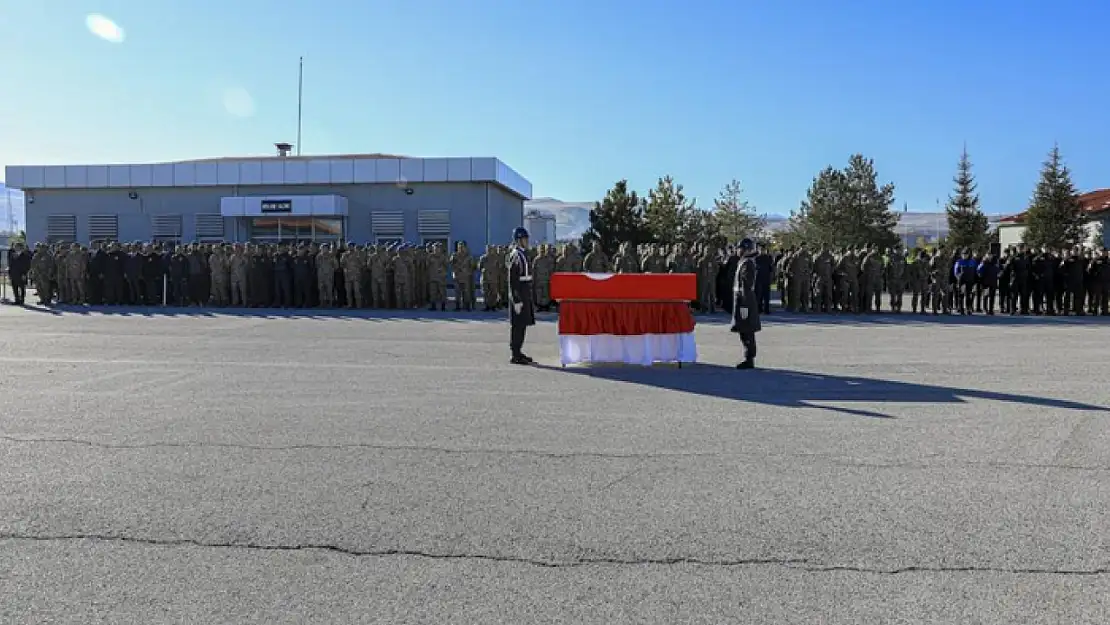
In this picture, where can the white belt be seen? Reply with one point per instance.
(525, 278)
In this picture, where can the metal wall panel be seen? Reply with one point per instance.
(483, 169)
(458, 170)
(435, 170)
(273, 172)
(163, 175)
(98, 176)
(319, 172)
(250, 172)
(227, 173)
(13, 176)
(388, 169)
(54, 177)
(207, 175)
(412, 170)
(184, 174)
(342, 171)
(77, 176)
(142, 175)
(365, 171)
(296, 172)
(119, 176)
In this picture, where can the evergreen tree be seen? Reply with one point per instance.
(1055, 218)
(967, 225)
(666, 211)
(735, 216)
(847, 208)
(617, 218)
(702, 226)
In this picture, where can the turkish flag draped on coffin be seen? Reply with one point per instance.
(626, 318)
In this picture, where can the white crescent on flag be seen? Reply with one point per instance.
(600, 276)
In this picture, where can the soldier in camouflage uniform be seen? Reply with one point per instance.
(848, 269)
(655, 261)
(628, 261)
(77, 273)
(353, 266)
(707, 266)
(542, 270)
(437, 278)
(487, 276)
(596, 261)
(326, 264)
(823, 274)
(462, 267)
(896, 279)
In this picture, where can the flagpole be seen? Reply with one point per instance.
(300, 101)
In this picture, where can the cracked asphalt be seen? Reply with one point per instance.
(236, 468)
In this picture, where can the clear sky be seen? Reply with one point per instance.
(576, 94)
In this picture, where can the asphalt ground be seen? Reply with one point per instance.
(198, 467)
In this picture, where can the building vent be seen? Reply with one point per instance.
(391, 223)
(61, 228)
(165, 227)
(435, 223)
(210, 226)
(103, 227)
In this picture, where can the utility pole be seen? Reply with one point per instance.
(300, 102)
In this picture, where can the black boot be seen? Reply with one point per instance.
(747, 364)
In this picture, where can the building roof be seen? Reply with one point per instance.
(1093, 203)
(271, 170)
(294, 157)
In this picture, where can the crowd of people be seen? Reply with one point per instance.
(406, 276)
(1019, 281)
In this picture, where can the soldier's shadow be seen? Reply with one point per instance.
(797, 389)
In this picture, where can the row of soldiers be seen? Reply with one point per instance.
(404, 276)
(398, 276)
(1019, 281)
(260, 275)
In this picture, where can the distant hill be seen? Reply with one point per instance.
(572, 220)
(15, 222)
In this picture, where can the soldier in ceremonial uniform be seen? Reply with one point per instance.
(522, 312)
(745, 307)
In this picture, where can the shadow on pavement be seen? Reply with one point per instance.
(278, 313)
(908, 319)
(797, 389)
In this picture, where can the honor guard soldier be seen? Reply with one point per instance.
(745, 303)
(522, 312)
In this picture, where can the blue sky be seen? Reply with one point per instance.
(577, 94)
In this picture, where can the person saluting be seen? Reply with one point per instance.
(745, 306)
(522, 311)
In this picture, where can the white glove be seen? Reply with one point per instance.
(517, 308)
(743, 313)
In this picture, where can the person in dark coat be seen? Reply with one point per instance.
(522, 311)
(19, 266)
(745, 306)
(725, 276)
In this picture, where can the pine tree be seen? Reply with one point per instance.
(666, 211)
(1055, 218)
(967, 225)
(847, 208)
(617, 218)
(735, 216)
